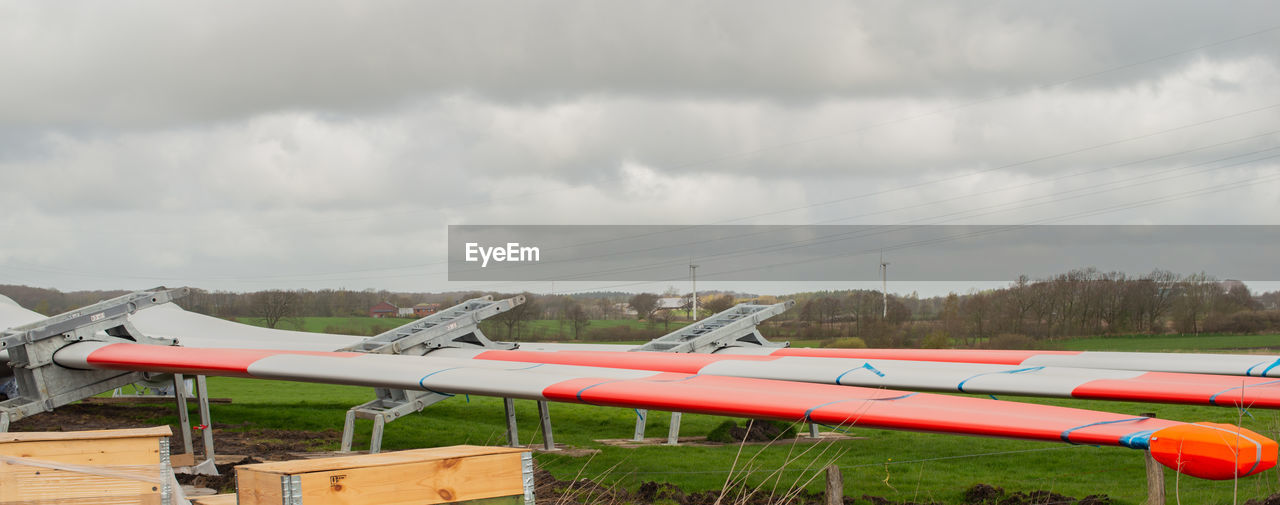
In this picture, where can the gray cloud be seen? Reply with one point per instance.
(149, 64)
(250, 145)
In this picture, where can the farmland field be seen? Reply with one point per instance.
(1173, 343)
(346, 325)
(896, 465)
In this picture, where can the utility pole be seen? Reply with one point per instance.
(693, 273)
(884, 284)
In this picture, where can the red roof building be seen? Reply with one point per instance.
(383, 309)
(425, 309)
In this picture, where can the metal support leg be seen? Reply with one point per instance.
(184, 419)
(208, 466)
(641, 415)
(513, 436)
(348, 430)
(813, 430)
(375, 445)
(548, 441)
(673, 435)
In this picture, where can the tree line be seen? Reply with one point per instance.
(1079, 302)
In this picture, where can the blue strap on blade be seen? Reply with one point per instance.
(865, 366)
(1213, 400)
(1066, 435)
(1138, 439)
(423, 385)
(960, 386)
(816, 407)
(1273, 364)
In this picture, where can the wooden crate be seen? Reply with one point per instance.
(421, 477)
(217, 499)
(129, 452)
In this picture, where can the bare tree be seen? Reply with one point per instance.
(645, 304)
(578, 319)
(718, 304)
(975, 308)
(952, 321)
(663, 316)
(1198, 294)
(272, 307)
(1018, 303)
(518, 317)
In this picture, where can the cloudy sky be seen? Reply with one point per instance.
(250, 145)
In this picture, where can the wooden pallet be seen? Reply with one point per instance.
(422, 476)
(82, 467)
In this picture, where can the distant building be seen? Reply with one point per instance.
(1228, 284)
(404, 311)
(671, 302)
(425, 309)
(384, 309)
(624, 309)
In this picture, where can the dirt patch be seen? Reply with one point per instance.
(80, 417)
(224, 482)
(269, 444)
(263, 444)
(759, 431)
(1270, 500)
(984, 494)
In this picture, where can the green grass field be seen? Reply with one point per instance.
(345, 325)
(1173, 343)
(896, 465)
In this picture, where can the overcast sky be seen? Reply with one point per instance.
(251, 145)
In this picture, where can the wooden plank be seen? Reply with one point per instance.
(177, 460)
(421, 477)
(133, 451)
(501, 500)
(132, 400)
(149, 499)
(257, 487)
(380, 459)
(104, 452)
(20, 483)
(217, 499)
(35, 436)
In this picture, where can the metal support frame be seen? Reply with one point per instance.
(544, 415)
(513, 433)
(454, 327)
(184, 418)
(166, 473)
(673, 432)
(390, 405)
(735, 327)
(207, 466)
(526, 477)
(641, 415)
(42, 385)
